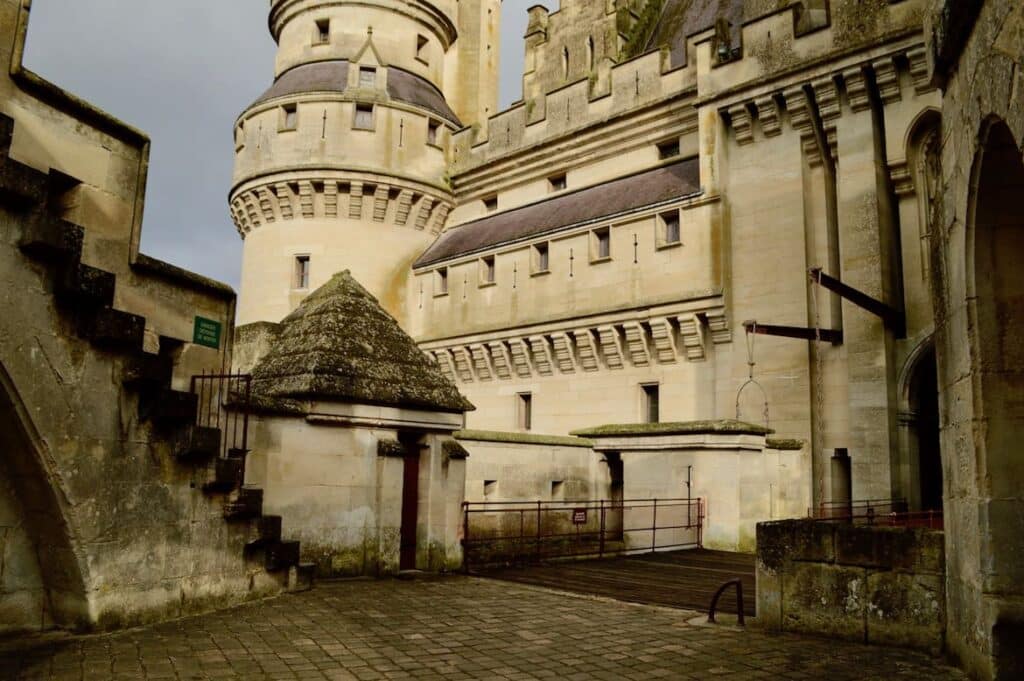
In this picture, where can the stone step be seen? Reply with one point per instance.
(281, 555)
(247, 505)
(196, 443)
(269, 528)
(169, 408)
(112, 329)
(21, 186)
(47, 237)
(83, 285)
(227, 475)
(301, 576)
(148, 372)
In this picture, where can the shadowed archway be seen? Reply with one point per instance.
(25, 464)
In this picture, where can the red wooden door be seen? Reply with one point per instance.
(410, 508)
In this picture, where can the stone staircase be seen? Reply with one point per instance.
(85, 296)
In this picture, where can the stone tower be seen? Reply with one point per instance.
(343, 162)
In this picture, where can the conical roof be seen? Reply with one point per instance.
(340, 345)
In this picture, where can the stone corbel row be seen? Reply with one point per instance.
(316, 199)
(658, 340)
(768, 113)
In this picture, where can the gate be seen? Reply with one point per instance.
(223, 403)
(519, 532)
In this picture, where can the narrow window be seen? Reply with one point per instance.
(651, 406)
(541, 259)
(525, 411)
(487, 270)
(602, 244)
(490, 488)
(367, 77)
(240, 136)
(558, 490)
(441, 282)
(565, 62)
(432, 128)
(590, 53)
(289, 117)
(364, 117)
(669, 228)
(557, 183)
(302, 272)
(323, 31)
(668, 149)
(421, 48)
(491, 203)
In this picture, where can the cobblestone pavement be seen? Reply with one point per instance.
(452, 628)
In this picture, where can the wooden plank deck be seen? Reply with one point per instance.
(679, 579)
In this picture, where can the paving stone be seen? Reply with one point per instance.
(451, 628)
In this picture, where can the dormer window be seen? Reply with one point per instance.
(367, 77)
(668, 229)
(557, 183)
(323, 31)
(487, 270)
(441, 281)
(668, 149)
(364, 117)
(600, 244)
(432, 130)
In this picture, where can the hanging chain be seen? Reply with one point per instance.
(751, 339)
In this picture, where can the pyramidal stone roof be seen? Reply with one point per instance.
(340, 345)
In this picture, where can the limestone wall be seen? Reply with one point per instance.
(879, 585)
(23, 597)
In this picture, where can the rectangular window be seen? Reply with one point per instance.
(668, 229)
(421, 48)
(491, 203)
(490, 488)
(367, 77)
(240, 136)
(651, 403)
(668, 149)
(323, 31)
(432, 128)
(541, 258)
(441, 281)
(487, 270)
(364, 117)
(289, 117)
(557, 490)
(601, 244)
(302, 272)
(557, 183)
(524, 411)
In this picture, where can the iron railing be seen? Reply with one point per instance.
(224, 403)
(519, 532)
(877, 512)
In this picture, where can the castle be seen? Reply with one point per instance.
(766, 250)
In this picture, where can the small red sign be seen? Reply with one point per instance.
(579, 516)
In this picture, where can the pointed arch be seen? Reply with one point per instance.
(25, 461)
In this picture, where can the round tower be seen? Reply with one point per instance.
(342, 163)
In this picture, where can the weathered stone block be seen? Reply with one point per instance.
(906, 610)
(825, 599)
(795, 540)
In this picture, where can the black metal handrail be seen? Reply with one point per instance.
(223, 403)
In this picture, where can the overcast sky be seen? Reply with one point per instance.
(182, 71)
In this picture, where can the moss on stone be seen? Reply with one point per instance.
(453, 450)
(522, 438)
(341, 345)
(390, 448)
(723, 427)
(790, 445)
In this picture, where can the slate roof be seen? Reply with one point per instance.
(340, 345)
(332, 76)
(584, 205)
(682, 18)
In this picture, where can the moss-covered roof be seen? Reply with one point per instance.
(340, 345)
(521, 438)
(723, 427)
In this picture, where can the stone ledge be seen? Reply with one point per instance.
(723, 427)
(522, 438)
(784, 445)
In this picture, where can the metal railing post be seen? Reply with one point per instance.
(465, 536)
(654, 528)
(538, 530)
(600, 550)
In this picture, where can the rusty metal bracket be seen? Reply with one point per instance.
(893, 318)
(803, 333)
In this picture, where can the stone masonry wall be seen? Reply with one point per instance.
(879, 585)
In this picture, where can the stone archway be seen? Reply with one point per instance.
(995, 281)
(48, 588)
(921, 463)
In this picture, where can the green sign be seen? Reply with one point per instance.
(207, 333)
